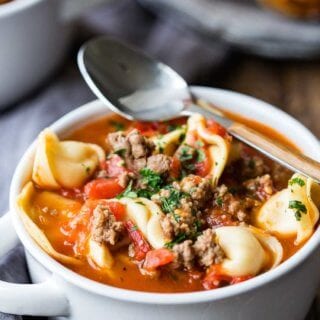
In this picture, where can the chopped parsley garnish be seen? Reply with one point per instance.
(144, 193)
(160, 146)
(183, 236)
(170, 203)
(200, 155)
(121, 152)
(182, 137)
(186, 153)
(198, 225)
(298, 181)
(178, 239)
(172, 127)
(298, 207)
(199, 143)
(139, 202)
(219, 201)
(186, 157)
(128, 192)
(118, 126)
(151, 179)
(134, 228)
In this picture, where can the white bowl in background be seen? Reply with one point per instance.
(284, 293)
(34, 36)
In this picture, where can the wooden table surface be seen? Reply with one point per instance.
(292, 86)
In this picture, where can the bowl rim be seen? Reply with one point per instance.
(15, 6)
(95, 109)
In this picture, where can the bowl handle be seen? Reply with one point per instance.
(42, 299)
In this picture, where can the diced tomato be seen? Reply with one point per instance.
(215, 278)
(175, 168)
(118, 209)
(103, 188)
(149, 129)
(216, 128)
(236, 280)
(158, 258)
(141, 246)
(202, 168)
(77, 229)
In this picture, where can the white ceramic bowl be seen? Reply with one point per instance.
(34, 35)
(284, 293)
(33, 40)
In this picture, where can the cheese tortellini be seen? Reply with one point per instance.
(168, 143)
(26, 201)
(291, 212)
(66, 164)
(146, 215)
(100, 254)
(247, 251)
(219, 147)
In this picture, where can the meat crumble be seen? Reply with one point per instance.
(105, 228)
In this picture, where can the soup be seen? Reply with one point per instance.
(174, 206)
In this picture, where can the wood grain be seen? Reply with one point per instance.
(293, 86)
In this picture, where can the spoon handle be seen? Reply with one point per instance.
(288, 157)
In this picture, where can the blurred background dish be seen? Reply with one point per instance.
(34, 36)
(295, 8)
(244, 25)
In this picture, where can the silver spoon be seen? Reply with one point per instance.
(138, 87)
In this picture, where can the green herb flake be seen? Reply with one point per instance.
(219, 201)
(298, 207)
(134, 228)
(172, 127)
(199, 143)
(118, 126)
(144, 193)
(186, 153)
(128, 192)
(121, 152)
(200, 155)
(178, 239)
(182, 137)
(139, 202)
(298, 181)
(176, 217)
(172, 202)
(151, 178)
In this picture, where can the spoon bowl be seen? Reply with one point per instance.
(140, 88)
(130, 82)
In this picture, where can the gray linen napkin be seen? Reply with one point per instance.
(66, 90)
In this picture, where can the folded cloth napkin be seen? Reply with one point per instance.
(66, 90)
